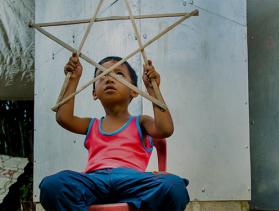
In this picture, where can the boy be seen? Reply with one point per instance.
(119, 147)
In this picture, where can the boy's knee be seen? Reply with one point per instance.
(52, 189)
(52, 184)
(179, 194)
(175, 188)
(170, 180)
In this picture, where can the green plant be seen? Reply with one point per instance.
(26, 190)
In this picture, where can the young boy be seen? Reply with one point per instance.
(119, 147)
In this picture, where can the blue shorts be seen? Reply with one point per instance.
(69, 190)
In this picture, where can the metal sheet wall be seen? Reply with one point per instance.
(203, 64)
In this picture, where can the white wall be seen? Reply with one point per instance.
(203, 64)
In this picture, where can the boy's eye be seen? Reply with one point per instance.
(120, 74)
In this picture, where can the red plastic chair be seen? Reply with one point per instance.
(161, 148)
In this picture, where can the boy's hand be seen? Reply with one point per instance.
(73, 66)
(150, 73)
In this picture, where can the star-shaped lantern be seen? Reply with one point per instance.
(158, 100)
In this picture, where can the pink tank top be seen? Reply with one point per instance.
(124, 147)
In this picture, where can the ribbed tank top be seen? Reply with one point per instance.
(124, 147)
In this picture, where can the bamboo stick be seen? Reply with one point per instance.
(110, 18)
(69, 74)
(63, 88)
(153, 82)
(92, 20)
(193, 13)
(106, 71)
(90, 61)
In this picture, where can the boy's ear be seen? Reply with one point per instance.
(94, 95)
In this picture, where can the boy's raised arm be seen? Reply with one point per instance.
(162, 125)
(65, 114)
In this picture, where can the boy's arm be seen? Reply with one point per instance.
(65, 114)
(161, 126)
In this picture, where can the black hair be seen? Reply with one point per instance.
(132, 72)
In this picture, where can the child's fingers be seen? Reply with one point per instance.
(148, 68)
(152, 75)
(151, 72)
(74, 58)
(71, 63)
(144, 77)
(68, 68)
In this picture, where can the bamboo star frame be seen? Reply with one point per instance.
(158, 100)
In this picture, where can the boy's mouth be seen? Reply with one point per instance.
(109, 88)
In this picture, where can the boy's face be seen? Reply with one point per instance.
(108, 89)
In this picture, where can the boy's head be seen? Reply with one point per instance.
(132, 72)
(101, 87)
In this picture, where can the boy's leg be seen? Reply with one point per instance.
(69, 190)
(161, 191)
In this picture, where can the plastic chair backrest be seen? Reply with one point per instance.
(161, 148)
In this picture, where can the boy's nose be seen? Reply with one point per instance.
(108, 77)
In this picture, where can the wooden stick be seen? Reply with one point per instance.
(153, 82)
(65, 45)
(106, 71)
(195, 12)
(110, 18)
(69, 74)
(70, 48)
(63, 88)
(92, 20)
(188, 15)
